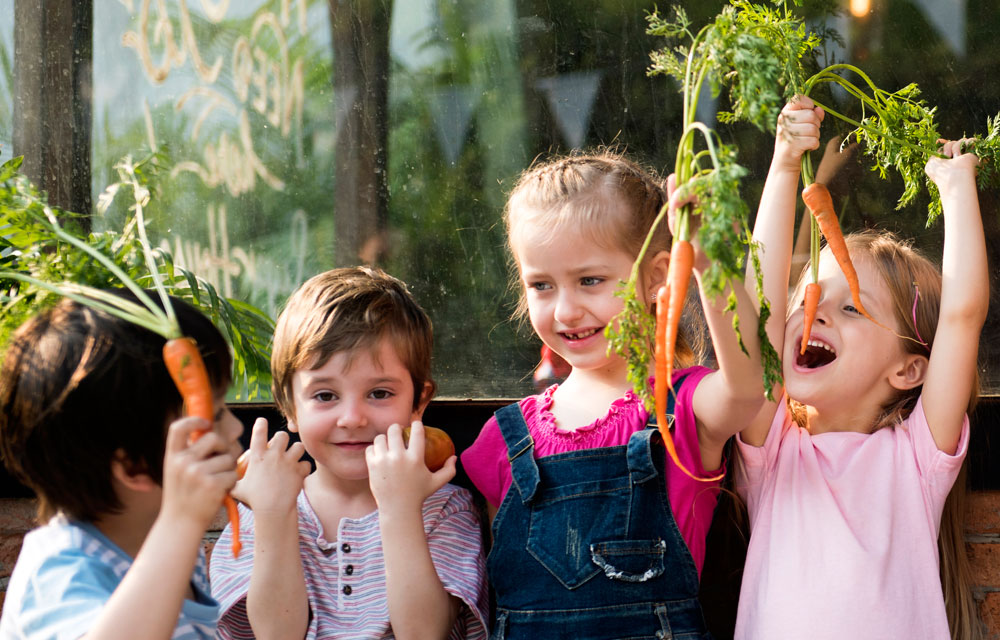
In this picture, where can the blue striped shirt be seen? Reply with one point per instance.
(66, 572)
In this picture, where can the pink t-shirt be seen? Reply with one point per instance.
(843, 532)
(692, 501)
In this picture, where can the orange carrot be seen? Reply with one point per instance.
(188, 371)
(662, 381)
(678, 277)
(810, 302)
(820, 203)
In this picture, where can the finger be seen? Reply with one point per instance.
(296, 451)
(258, 437)
(179, 433)
(417, 439)
(441, 477)
(279, 441)
(379, 444)
(671, 185)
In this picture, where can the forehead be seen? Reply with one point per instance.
(538, 238)
(378, 357)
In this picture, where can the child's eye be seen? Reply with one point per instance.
(851, 309)
(324, 396)
(381, 394)
(590, 281)
(539, 286)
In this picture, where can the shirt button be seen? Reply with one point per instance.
(347, 590)
(346, 548)
(349, 569)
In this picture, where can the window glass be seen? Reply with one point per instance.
(300, 135)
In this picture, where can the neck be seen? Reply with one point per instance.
(851, 419)
(585, 396)
(348, 498)
(127, 529)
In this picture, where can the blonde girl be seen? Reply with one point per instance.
(596, 534)
(846, 477)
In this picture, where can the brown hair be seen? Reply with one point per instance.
(906, 271)
(78, 386)
(604, 194)
(346, 309)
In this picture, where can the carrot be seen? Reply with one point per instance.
(662, 381)
(820, 203)
(678, 277)
(188, 371)
(810, 302)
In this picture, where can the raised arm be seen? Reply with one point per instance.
(419, 606)
(277, 605)
(774, 229)
(951, 371)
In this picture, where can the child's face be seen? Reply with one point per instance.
(849, 357)
(569, 282)
(341, 406)
(226, 424)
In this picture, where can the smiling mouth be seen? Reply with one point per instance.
(579, 335)
(818, 354)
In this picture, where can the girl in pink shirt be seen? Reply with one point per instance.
(596, 533)
(846, 478)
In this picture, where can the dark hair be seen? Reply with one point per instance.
(342, 310)
(78, 385)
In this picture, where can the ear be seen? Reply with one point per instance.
(654, 273)
(911, 372)
(131, 475)
(425, 399)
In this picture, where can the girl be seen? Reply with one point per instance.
(595, 530)
(846, 481)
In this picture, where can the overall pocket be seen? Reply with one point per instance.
(629, 560)
(566, 520)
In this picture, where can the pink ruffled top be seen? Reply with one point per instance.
(691, 501)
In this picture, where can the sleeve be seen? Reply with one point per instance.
(685, 426)
(65, 596)
(230, 579)
(938, 469)
(483, 462)
(456, 548)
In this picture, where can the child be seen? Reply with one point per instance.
(374, 545)
(595, 531)
(91, 421)
(846, 481)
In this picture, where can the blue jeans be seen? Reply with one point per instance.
(586, 546)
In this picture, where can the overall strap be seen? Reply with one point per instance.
(640, 450)
(520, 450)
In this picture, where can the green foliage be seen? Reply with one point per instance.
(34, 245)
(987, 147)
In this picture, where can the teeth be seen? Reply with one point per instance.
(821, 345)
(580, 336)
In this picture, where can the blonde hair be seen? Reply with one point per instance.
(343, 310)
(603, 194)
(906, 272)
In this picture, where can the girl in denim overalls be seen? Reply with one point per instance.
(596, 534)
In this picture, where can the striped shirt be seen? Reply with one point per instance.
(345, 576)
(67, 571)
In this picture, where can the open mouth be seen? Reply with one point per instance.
(579, 335)
(818, 354)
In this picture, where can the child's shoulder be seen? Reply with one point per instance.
(448, 500)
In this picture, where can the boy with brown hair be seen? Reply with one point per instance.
(371, 543)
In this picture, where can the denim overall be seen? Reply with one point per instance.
(586, 546)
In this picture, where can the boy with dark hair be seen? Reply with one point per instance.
(92, 422)
(371, 543)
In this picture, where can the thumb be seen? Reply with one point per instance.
(441, 477)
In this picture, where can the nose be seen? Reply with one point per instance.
(568, 308)
(352, 414)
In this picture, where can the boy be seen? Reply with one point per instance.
(124, 501)
(371, 544)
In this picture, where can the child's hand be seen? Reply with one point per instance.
(275, 472)
(678, 198)
(196, 476)
(398, 475)
(797, 132)
(956, 172)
